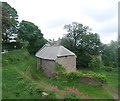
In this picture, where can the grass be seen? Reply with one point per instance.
(91, 91)
(112, 83)
(16, 83)
(22, 80)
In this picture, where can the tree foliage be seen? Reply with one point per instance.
(110, 54)
(82, 42)
(9, 22)
(32, 34)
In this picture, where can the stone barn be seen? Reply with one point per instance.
(48, 55)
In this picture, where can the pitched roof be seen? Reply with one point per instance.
(52, 52)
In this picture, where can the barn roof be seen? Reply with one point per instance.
(52, 52)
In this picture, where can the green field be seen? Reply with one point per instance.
(21, 80)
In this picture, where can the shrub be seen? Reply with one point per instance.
(77, 74)
(73, 75)
(38, 90)
(51, 95)
(70, 96)
(95, 63)
(60, 71)
(100, 77)
(107, 68)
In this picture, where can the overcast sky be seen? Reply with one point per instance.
(51, 16)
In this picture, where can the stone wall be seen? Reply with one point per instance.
(69, 62)
(48, 66)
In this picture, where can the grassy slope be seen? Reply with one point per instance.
(22, 80)
(12, 77)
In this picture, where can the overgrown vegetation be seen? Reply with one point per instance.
(61, 72)
(70, 96)
(22, 86)
(76, 75)
(14, 57)
(28, 82)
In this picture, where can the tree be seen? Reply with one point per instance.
(32, 34)
(75, 30)
(110, 54)
(82, 42)
(9, 22)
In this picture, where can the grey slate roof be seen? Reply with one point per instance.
(52, 52)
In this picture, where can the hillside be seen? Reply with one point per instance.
(21, 80)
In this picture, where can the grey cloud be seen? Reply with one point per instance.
(53, 23)
(100, 15)
(109, 28)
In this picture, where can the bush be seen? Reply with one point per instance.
(95, 63)
(61, 73)
(77, 74)
(100, 77)
(60, 70)
(38, 90)
(70, 96)
(107, 68)
(73, 75)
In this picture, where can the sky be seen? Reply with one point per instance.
(51, 16)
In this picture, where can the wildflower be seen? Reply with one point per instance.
(77, 92)
(71, 89)
(54, 87)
